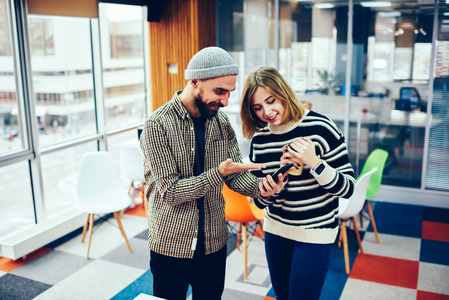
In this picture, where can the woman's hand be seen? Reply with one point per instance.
(303, 149)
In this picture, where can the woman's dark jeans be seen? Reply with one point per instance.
(297, 270)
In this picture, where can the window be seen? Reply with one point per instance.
(123, 68)
(64, 102)
(12, 135)
(5, 39)
(41, 36)
(39, 174)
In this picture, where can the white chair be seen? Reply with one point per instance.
(131, 166)
(349, 208)
(100, 191)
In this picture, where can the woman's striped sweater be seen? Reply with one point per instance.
(307, 208)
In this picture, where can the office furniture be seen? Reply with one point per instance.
(100, 191)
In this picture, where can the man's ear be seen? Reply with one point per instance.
(194, 83)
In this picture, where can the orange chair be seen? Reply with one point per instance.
(239, 209)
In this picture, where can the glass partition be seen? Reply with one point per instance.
(391, 103)
(313, 57)
(437, 176)
(245, 28)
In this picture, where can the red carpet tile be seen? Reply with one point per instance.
(430, 296)
(7, 264)
(435, 231)
(386, 270)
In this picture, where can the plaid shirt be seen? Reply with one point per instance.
(168, 143)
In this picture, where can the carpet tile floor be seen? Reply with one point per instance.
(411, 262)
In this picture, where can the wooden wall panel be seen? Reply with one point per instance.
(186, 26)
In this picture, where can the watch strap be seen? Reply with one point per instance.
(318, 169)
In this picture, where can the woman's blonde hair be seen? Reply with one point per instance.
(275, 84)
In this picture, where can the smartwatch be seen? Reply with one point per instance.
(319, 169)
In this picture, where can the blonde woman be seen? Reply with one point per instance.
(302, 222)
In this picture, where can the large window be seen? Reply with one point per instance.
(12, 133)
(123, 68)
(41, 36)
(62, 79)
(82, 99)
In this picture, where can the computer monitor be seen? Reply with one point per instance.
(409, 99)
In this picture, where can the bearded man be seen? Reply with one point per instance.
(190, 150)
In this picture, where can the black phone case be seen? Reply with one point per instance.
(281, 171)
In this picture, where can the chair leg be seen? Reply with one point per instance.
(361, 218)
(117, 217)
(245, 252)
(142, 194)
(85, 228)
(239, 236)
(359, 241)
(130, 186)
(91, 231)
(259, 230)
(122, 212)
(145, 205)
(345, 246)
(371, 217)
(340, 238)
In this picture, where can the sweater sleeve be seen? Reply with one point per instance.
(338, 176)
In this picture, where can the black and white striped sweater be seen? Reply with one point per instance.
(307, 208)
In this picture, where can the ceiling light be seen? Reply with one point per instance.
(324, 5)
(446, 13)
(386, 14)
(376, 4)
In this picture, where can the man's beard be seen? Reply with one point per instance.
(204, 108)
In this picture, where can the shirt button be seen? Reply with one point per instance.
(191, 128)
(193, 149)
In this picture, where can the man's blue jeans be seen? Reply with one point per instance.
(297, 270)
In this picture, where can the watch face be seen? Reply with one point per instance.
(319, 169)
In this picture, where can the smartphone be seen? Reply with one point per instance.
(281, 171)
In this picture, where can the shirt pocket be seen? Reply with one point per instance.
(217, 152)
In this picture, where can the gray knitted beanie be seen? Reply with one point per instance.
(211, 62)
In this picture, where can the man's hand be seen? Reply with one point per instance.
(268, 187)
(229, 167)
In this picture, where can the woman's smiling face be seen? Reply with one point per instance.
(266, 107)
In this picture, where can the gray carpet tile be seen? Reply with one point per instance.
(138, 258)
(52, 267)
(14, 287)
(143, 235)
